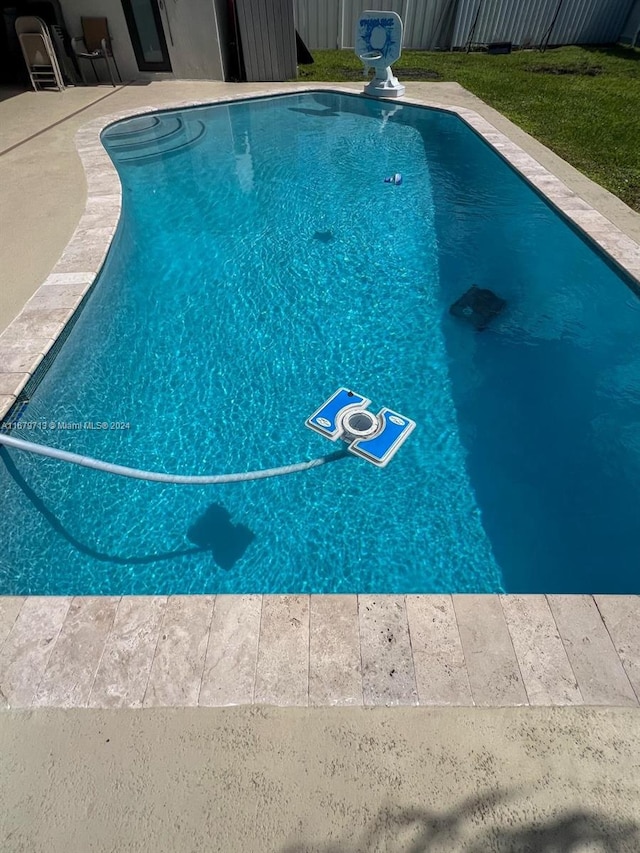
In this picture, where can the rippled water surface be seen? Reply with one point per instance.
(262, 262)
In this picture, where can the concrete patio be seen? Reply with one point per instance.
(328, 780)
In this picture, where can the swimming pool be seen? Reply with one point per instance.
(261, 262)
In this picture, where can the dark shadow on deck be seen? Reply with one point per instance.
(472, 827)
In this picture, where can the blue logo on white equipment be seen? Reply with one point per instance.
(376, 438)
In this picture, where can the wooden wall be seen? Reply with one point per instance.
(267, 33)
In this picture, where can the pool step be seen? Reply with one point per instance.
(168, 135)
(133, 127)
(159, 133)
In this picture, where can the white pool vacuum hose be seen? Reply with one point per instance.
(158, 477)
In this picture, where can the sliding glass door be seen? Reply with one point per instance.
(147, 34)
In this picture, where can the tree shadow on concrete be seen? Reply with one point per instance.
(472, 827)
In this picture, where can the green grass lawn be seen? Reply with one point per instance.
(582, 102)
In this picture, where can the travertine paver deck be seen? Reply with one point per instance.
(334, 651)
(492, 665)
(178, 663)
(299, 650)
(438, 658)
(620, 615)
(76, 654)
(388, 673)
(232, 653)
(282, 668)
(544, 665)
(304, 650)
(123, 672)
(596, 664)
(28, 647)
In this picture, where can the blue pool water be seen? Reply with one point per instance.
(261, 262)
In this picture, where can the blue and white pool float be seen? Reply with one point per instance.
(376, 438)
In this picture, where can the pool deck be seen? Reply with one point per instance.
(186, 651)
(319, 650)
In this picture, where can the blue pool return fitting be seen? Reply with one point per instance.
(376, 438)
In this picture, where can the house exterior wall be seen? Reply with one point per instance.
(195, 53)
(190, 30)
(73, 10)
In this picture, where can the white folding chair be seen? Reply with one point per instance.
(39, 55)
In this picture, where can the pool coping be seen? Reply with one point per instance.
(347, 650)
(319, 650)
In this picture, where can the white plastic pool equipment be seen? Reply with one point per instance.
(378, 43)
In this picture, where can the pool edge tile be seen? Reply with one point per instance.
(10, 607)
(438, 657)
(492, 665)
(27, 649)
(45, 638)
(598, 669)
(545, 668)
(282, 672)
(6, 402)
(22, 356)
(178, 661)
(335, 676)
(62, 297)
(621, 617)
(76, 655)
(388, 675)
(11, 384)
(232, 654)
(123, 672)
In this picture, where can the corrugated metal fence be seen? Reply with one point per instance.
(448, 23)
(524, 22)
(631, 31)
